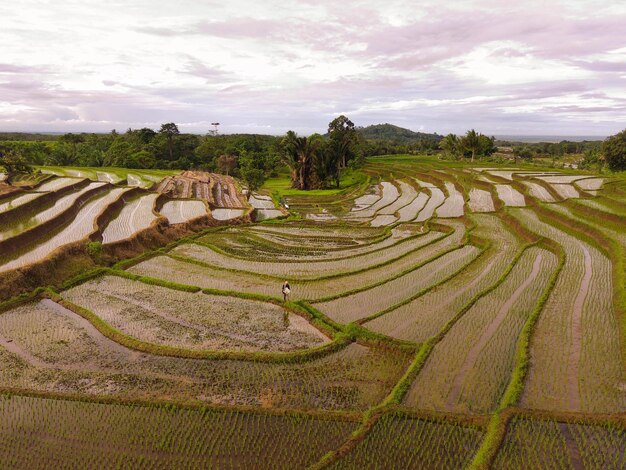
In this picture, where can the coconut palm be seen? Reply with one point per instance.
(299, 154)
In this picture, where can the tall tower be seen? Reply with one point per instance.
(214, 131)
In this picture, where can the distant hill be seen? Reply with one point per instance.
(389, 132)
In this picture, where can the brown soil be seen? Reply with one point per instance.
(6, 190)
(572, 447)
(217, 190)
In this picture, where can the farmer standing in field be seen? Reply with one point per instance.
(286, 290)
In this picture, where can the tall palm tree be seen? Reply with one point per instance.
(471, 142)
(299, 154)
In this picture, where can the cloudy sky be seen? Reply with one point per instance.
(504, 67)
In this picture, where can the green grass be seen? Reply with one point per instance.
(281, 186)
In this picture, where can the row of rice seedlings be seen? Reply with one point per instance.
(401, 441)
(410, 211)
(425, 184)
(178, 212)
(538, 191)
(316, 248)
(480, 201)
(407, 194)
(205, 276)
(79, 229)
(368, 302)
(590, 184)
(140, 178)
(141, 181)
(28, 221)
(437, 197)
(318, 230)
(566, 191)
(390, 195)
(425, 316)
(562, 179)
(601, 206)
(510, 196)
(55, 350)
(454, 204)
(193, 320)
(600, 445)
(226, 214)
(267, 214)
(261, 202)
(533, 444)
(509, 174)
(366, 200)
(547, 443)
(55, 184)
(45, 433)
(244, 243)
(135, 216)
(575, 350)
(16, 201)
(308, 268)
(72, 172)
(469, 369)
(315, 243)
(383, 220)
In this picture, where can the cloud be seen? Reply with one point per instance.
(502, 67)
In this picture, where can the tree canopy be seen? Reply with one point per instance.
(614, 150)
(13, 163)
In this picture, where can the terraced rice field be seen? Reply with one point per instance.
(460, 375)
(480, 201)
(453, 205)
(416, 334)
(549, 443)
(437, 197)
(17, 201)
(134, 217)
(78, 229)
(226, 214)
(193, 320)
(178, 212)
(21, 223)
(510, 196)
(538, 191)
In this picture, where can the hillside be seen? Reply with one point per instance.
(390, 132)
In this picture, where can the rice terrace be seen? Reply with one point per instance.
(441, 315)
(312, 235)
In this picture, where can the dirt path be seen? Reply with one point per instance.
(459, 380)
(573, 388)
(572, 447)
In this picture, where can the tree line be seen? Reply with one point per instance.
(316, 161)
(470, 145)
(251, 157)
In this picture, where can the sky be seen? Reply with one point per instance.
(502, 67)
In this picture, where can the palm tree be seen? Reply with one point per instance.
(471, 142)
(299, 153)
(450, 145)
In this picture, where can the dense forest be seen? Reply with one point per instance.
(253, 157)
(315, 161)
